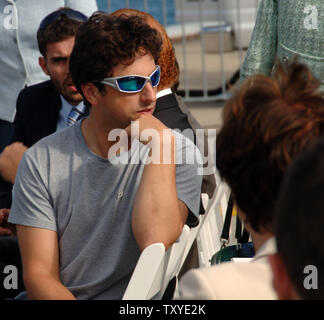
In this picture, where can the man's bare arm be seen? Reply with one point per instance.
(9, 160)
(158, 215)
(40, 256)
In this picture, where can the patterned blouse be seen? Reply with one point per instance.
(284, 29)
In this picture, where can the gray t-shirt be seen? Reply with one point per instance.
(62, 186)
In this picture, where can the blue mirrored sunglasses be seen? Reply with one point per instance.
(133, 83)
(56, 15)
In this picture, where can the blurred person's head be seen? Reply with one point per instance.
(55, 37)
(267, 122)
(112, 46)
(167, 60)
(299, 225)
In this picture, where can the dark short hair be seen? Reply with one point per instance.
(299, 220)
(267, 122)
(59, 30)
(104, 42)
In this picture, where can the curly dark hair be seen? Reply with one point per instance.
(266, 124)
(104, 42)
(167, 61)
(58, 30)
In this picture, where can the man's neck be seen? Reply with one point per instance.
(96, 137)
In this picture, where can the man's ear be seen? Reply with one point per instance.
(43, 65)
(90, 92)
(281, 280)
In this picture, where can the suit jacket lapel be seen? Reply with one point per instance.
(53, 108)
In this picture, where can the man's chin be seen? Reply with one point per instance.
(73, 99)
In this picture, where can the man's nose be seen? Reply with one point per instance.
(148, 93)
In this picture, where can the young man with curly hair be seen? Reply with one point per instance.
(83, 215)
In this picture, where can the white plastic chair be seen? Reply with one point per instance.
(155, 268)
(194, 231)
(148, 275)
(211, 223)
(177, 251)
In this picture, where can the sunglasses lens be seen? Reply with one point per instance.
(155, 78)
(131, 83)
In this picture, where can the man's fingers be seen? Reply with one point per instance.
(3, 219)
(6, 232)
(4, 214)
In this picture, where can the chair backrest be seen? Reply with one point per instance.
(209, 223)
(194, 231)
(148, 275)
(155, 268)
(210, 227)
(176, 256)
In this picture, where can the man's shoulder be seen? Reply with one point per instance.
(194, 123)
(31, 100)
(184, 144)
(39, 89)
(184, 137)
(229, 281)
(57, 141)
(236, 269)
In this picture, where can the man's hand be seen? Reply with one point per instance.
(9, 160)
(147, 122)
(6, 228)
(152, 131)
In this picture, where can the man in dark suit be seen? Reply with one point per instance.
(43, 102)
(42, 109)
